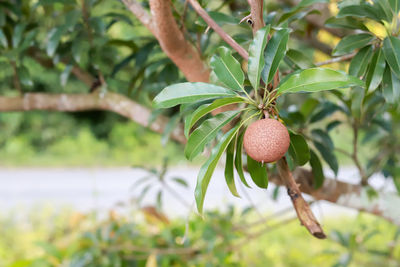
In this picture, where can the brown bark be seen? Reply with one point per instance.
(174, 44)
(94, 101)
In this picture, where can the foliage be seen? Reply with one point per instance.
(76, 239)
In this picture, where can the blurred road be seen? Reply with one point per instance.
(100, 189)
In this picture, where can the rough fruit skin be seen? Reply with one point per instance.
(266, 140)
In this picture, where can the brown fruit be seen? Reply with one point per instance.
(266, 140)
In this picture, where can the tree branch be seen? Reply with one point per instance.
(172, 41)
(226, 37)
(256, 12)
(302, 208)
(94, 101)
(141, 14)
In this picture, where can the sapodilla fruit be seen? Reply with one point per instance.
(266, 140)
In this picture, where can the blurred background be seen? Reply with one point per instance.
(95, 189)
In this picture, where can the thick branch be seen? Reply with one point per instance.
(174, 44)
(94, 101)
(226, 37)
(256, 12)
(302, 208)
(141, 14)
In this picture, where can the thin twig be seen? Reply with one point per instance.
(210, 22)
(336, 59)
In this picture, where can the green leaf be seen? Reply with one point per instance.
(326, 109)
(328, 156)
(351, 42)
(258, 172)
(308, 106)
(54, 39)
(299, 59)
(362, 11)
(228, 69)
(238, 158)
(357, 99)
(390, 87)
(65, 75)
(391, 49)
(206, 132)
(395, 5)
(332, 125)
(17, 34)
(296, 9)
(317, 170)
(207, 108)
(274, 53)
(298, 149)
(360, 61)
(375, 71)
(180, 181)
(323, 138)
(3, 39)
(24, 76)
(206, 171)
(189, 92)
(317, 79)
(385, 9)
(345, 22)
(229, 176)
(256, 56)
(171, 125)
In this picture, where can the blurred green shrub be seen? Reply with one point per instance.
(148, 238)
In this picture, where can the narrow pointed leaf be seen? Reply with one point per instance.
(24, 76)
(238, 158)
(3, 39)
(323, 138)
(375, 71)
(54, 38)
(299, 59)
(189, 92)
(391, 49)
(395, 5)
(390, 87)
(258, 172)
(317, 79)
(351, 42)
(206, 171)
(274, 53)
(228, 69)
(346, 22)
(360, 61)
(298, 149)
(357, 99)
(256, 56)
(328, 156)
(317, 170)
(206, 132)
(207, 108)
(299, 7)
(362, 11)
(229, 176)
(385, 9)
(17, 34)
